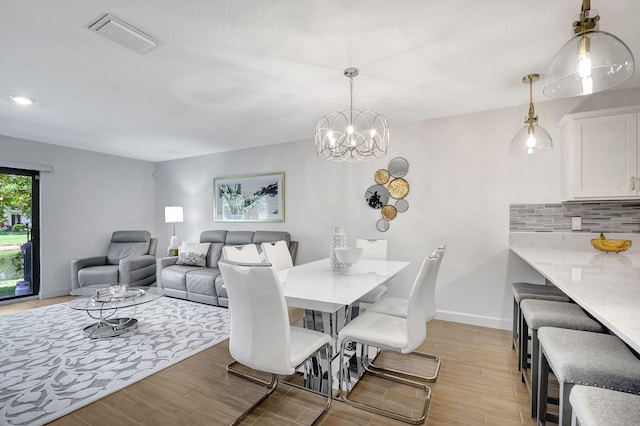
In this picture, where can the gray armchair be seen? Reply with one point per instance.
(130, 259)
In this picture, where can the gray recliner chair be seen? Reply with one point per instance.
(130, 259)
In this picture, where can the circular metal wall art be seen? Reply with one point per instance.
(390, 183)
(389, 212)
(381, 177)
(398, 188)
(398, 167)
(382, 225)
(402, 205)
(377, 196)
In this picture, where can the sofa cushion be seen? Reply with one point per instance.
(260, 237)
(193, 254)
(238, 238)
(174, 276)
(105, 274)
(202, 280)
(117, 251)
(217, 239)
(127, 243)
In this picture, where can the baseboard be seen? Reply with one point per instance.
(479, 320)
(55, 293)
(22, 299)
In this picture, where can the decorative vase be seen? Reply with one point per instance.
(338, 239)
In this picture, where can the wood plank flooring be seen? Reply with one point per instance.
(479, 384)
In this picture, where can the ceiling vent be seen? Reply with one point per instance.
(127, 35)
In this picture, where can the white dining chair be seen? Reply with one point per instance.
(261, 337)
(402, 335)
(247, 253)
(277, 253)
(376, 250)
(372, 249)
(399, 307)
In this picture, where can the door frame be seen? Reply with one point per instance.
(35, 227)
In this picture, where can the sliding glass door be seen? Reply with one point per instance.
(19, 233)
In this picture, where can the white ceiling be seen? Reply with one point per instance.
(241, 73)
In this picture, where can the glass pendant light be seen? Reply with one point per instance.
(531, 138)
(592, 61)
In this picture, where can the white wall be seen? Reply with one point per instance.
(462, 181)
(86, 197)
(461, 175)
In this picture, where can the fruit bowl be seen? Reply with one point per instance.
(348, 255)
(610, 246)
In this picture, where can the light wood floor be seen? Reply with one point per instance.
(479, 384)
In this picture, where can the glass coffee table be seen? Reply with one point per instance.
(114, 306)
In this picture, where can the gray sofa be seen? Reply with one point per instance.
(130, 259)
(204, 284)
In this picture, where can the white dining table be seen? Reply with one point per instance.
(315, 286)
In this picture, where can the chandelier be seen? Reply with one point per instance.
(352, 135)
(531, 138)
(592, 61)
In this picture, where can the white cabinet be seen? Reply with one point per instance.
(600, 155)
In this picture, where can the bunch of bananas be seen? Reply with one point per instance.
(615, 246)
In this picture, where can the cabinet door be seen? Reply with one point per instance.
(606, 157)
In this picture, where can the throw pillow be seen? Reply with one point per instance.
(193, 255)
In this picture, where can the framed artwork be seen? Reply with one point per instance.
(250, 198)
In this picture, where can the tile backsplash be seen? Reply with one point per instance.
(596, 217)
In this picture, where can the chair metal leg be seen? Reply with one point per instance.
(328, 348)
(249, 377)
(343, 394)
(379, 370)
(273, 383)
(270, 390)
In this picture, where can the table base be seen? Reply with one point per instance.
(110, 327)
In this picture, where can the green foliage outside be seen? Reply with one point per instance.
(12, 238)
(11, 265)
(15, 194)
(8, 288)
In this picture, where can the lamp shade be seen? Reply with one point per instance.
(590, 62)
(531, 139)
(173, 214)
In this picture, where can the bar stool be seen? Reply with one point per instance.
(535, 314)
(598, 406)
(580, 357)
(523, 290)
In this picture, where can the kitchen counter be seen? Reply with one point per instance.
(607, 285)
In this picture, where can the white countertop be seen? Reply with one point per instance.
(607, 285)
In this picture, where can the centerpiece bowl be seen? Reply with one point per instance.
(348, 255)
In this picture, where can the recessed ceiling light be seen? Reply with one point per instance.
(21, 100)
